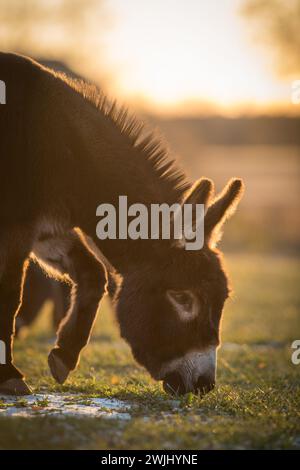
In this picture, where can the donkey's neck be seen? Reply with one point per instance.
(117, 161)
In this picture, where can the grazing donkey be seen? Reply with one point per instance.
(64, 150)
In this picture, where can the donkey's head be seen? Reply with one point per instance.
(169, 309)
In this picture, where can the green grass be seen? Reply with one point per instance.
(256, 403)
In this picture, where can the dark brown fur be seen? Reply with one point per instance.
(64, 150)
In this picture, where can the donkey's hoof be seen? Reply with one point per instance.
(58, 369)
(14, 387)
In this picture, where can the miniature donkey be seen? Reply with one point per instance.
(64, 150)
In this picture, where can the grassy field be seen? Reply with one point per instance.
(255, 405)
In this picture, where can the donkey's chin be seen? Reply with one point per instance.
(193, 373)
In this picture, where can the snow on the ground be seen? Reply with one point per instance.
(64, 405)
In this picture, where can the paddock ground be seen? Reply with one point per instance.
(256, 403)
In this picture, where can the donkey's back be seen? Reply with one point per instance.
(21, 77)
(36, 137)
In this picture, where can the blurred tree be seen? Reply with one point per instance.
(65, 29)
(278, 26)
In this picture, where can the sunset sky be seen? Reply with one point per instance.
(166, 56)
(171, 55)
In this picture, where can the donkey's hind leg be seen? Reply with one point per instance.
(13, 268)
(88, 276)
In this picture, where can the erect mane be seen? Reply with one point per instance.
(156, 155)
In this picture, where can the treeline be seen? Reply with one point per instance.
(263, 130)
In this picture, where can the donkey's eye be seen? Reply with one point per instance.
(183, 298)
(185, 303)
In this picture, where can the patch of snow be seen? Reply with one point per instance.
(64, 405)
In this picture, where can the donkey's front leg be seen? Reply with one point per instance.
(89, 283)
(11, 379)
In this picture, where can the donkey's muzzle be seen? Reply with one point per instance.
(175, 385)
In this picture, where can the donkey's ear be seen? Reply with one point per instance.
(199, 193)
(222, 208)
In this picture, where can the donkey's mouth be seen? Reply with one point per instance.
(175, 385)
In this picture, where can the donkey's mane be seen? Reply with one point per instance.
(150, 146)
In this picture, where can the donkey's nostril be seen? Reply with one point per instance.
(173, 384)
(204, 384)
